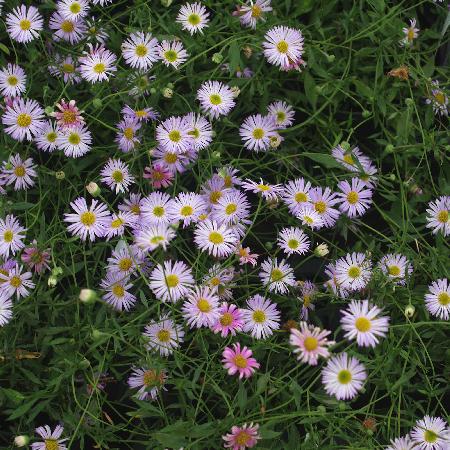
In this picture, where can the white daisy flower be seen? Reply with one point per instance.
(277, 276)
(396, 267)
(231, 208)
(73, 9)
(23, 24)
(216, 98)
(282, 113)
(201, 309)
(12, 81)
(193, 17)
(116, 287)
(431, 433)
(19, 172)
(270, 192)
(402, 443)
(98, 64)
(293, 240)
(16, 282)
(174, 134)
(256, 132)
(309, 217)
(343, 376)
(283, 46)
(69, 30)
(75, 142)
(116, 223)
(125, 259)
(172, 53)
(295, 194)
(11, 236)
(261, 317)
(116, 175)
(217, 240)
(438, 215)
(437, 301)
(155, 208)
(187, 207)
(140, 50)
(153, 236)
(46, 137)
(5, 311)
(163, 336)
(201, 130)
(353, 271)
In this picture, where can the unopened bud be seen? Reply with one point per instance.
(52, 281)
(321, 250)
(97, 103)
(409, 102)
(87, 296)
(217, 58)
(345, 145)
(152, 90)
(84, 363)
(366, 114)
(97, 334)
(275, 140)
(60, 175)
(330, 58)
(409, 311)
(166, 3)
(57, 271)
(167, 92)
(247, 51)
(389, 148)
(21, 441)
(216, 155)
(93, 189)
(49, 110)
(392, 176)
(235, 91)
(268, 245)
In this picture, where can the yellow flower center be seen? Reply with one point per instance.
(394, 271)
(158, 211)
(306, 300)
(194, 19)
(242, 437)
(440, 97)
(354, 272)
(215, 99)
(352, 197)
(99, 68)
(87, 218)
(116, 223)
(117, 176)
(125, 264)
(320, 207)
(310, 343)
(300, 197)
(25, 24)
(19, 171)
(8, 236)
(259, 316)
(276, 275)
(410, 34)
(141, 113)
(443, 298)
(74, 138)
(227, 181)
(175, 136)
(258, 133)
(163, 335)
(443, 216)
(51, 444)
(172, 281)
(240, 361)
(256, 11)
(231, 208)
(215, 196)
(349, 159)
(67, 26)
(171, 55)
(156, 239)
(12, 80)
(141, 50)
(75, 8)
(68, 68)
(263, 187)
(23, 120)
(282, 46)
(151, 379)
(128, 133)
(203, 305)
(363, 324)
(186, 211)
(292, 243)
(15, 281)
(69, 116)
(430, 436)
(51, 137)
(118, 290)
(226, 319)
(170, 158)
(344, 376)
(216, 238)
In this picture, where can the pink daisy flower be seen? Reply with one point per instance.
(159, 175)
(36, 259)
(68, 116)
(246, 257)
(230, 320)
(243, 437)
(237, 360)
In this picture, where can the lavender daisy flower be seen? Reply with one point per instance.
(5, 311)
(438, 99)
(116, 175)
(296, 194)
(293, 240)
(256, 132)
(437, 300)
(98, 64)
(19, 172)
(149, 382)
(140, 50)
(172, 53)
(126, 136)
(51, 438)
(12, 81)
(116, 287)
(150, 237)
(174, 134)
(35, 258)
(396, 267)
(309, 217)
(323, 201)
(187, 207)
(65, 29)
(16, 282)
(193, 17)
(11, 236)
(140, 115)
(163, 336)
(277, 276)
(282, 113)
(218, 240)
(66, 67)
(23, 24)
(431, 433)
(283, 46)
(201, 130)
(438, 215)
(46, 137)
(356, 198)
(201, 309)
(261, 317)
(75, 142)
(73, 9)
(216, 98)
(353, 271)
(252, 12)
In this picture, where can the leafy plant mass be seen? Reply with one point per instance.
(224, 225)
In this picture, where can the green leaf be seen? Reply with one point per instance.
(21, 206)
(327, 160)
(234, 56)
(310, 89)
(4, 48)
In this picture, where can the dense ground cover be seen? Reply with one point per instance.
(180, 180)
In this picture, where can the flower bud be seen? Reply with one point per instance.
(97, 103)
(57, 271)
(247, 51)
(52, 281)
(49, 110)
(409, 102)
(166, 3)
(21, 441)
(167, 92)
(97, 334)
(216, 155)
(87, 296)
(330, 58)
(236, 91)
(217, 58)
(93, 189)
(321, 250)
(346, 146)
(409, 311)
(268, 245)
(366, 114)
(275, 140)
(60, 175)
(152, 91)
(389, 148)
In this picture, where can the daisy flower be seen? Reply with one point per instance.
(437, 301)
(98, 64)
(355, 198)
(283, 46)
(12, 81)
(24, 119)
(231, 208)
(155, 208)
(125, 260)
(277, 276)
(245, 256)
(237, 360)
(323, 201)
(160, 175)
(260, 317)
(217, 240)
(229, 321)
(172, 53)
(353, 271)
(19, 172)
(309, 343)
(343, 376)
(362, 321)
(187, 207)
(174, 134)
(171, 281)
(308, 292)
(151, 237)
(126, 137)
(116, 288)
(201, 309)
(116, 223)
(252, 12)
(355, 161)
(213, 189)
(140, 50)
(36, 259)
(174, 162)
(438, 99)
(430, 433)
(51, 438)
(332, 283)
(116, 175)
(23, 24)
(68, 116)
(16, 282)
(410, 33)
(256, 132)
(73, 9)
(140, 115)
(45, 139)
(75, 142)
(65, 67)
(229, 176)
(132, 204)
(269, 192)
(193, 17)
(438, 215)
(87, 221)
(163, 336)
(65, 29)
(219, 280)
(11, 236)
(243, 437)
(402, 443)
(216, 98)
(295, 194)
(149, 382)
(396, 267)
(282, 113)
(5, 311)
(293, 240)
(201, 130)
